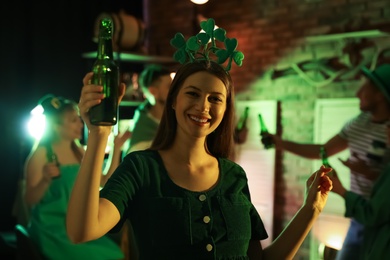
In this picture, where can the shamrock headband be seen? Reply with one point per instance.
(203, 46)
(50, 104)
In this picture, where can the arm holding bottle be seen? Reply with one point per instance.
(288, 242)
(311, 151)
(39, 174)
(90, 217)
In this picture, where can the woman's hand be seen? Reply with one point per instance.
(50, 171)
(121, 138)
(317, 188)
(91, 95)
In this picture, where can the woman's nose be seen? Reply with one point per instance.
(204, 105)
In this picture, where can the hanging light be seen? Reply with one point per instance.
(199, 2)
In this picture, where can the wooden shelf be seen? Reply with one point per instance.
(133, 57)
(347, 35)
(128, 103)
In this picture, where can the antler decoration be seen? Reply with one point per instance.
(203, 45)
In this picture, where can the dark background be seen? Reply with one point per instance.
(41, 46)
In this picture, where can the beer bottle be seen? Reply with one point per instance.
(106, 74)
(265, 138)
(242, 122)
(324, 157)
(52, 157)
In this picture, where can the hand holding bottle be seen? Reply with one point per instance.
(51, 171)
(91, 95)
(266, 138)
(105, 74)
(241, 131)
(318, 187)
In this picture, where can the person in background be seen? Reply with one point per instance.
(366, 138)
(50, 171)
(155, 81)
(372, 213)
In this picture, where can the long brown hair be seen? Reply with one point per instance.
(220, 142)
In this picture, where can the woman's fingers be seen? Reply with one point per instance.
(320, 179)
(121, 92)
(91, 95)
(87, 78)
(326, 184)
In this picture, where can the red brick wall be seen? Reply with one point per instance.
(267, 32)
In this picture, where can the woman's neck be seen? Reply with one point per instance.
(191, 151)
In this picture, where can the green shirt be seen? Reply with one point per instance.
(374, 214)
(171, 222)
(144, 129)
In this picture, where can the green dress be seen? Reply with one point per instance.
(47, 225)
(170, 222)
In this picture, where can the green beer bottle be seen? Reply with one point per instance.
(265, 138)
(324, 157)
(242, 122)
(106, 74)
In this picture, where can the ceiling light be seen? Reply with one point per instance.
(199, 2)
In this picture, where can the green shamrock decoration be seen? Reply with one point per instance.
(203, 45)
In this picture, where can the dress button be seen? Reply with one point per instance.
(202, 197)
(206, 219)
(209, 247)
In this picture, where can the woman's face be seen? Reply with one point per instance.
(200, 104)
(72, 125)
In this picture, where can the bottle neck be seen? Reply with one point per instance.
(105, 48)
(263, 128)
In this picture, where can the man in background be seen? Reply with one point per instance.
(366, 138)
(155, 81)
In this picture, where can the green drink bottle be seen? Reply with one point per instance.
(266, 139)
(242, 122)
(106, 74)
(324, 157)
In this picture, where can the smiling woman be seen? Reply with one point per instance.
(184, 198)
(206, 86)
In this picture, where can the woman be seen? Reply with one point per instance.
(185, 200)
(51, 170)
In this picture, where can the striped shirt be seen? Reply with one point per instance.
(369, 142)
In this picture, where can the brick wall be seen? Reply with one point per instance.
(272, 35)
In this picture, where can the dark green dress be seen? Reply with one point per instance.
(47, 225)
(170, 222)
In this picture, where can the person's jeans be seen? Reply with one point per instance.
(352, 243)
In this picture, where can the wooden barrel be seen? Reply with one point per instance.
(129, 31)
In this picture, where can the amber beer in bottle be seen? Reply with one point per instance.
(265, 138)
(106, 74)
